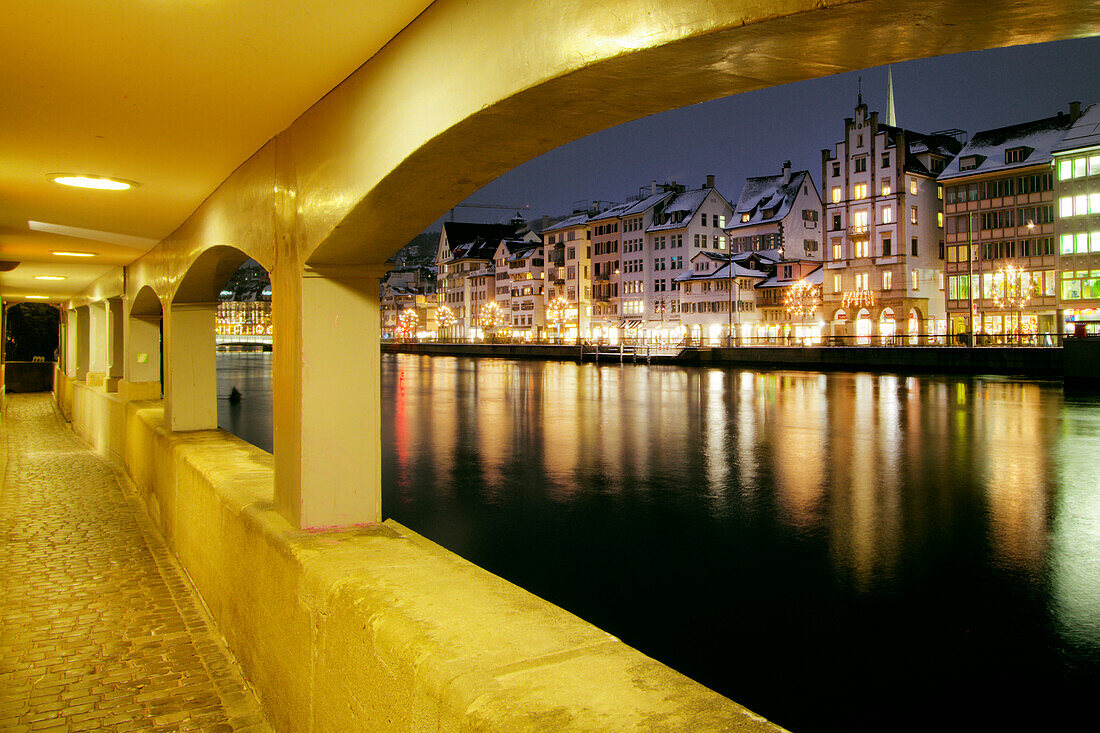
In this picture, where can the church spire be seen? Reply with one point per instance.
(890, 119)
(859, 91)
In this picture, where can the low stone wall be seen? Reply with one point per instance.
(982, 360)
(28, 376)
(376, 628)
(1047, 362)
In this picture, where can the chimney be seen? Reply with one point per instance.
(710, 182)
(786, 172)
(653, 188)
(545, 223)
(1074, 111)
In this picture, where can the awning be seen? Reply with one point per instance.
(629, 324)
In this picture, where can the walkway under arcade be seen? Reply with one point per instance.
(340, 620)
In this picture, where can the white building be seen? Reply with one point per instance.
(718, 295)
(568, 276)
(1077, 190)
(520, 279)
(884, 232)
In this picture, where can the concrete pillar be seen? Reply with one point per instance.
(326, 395)
(70, 342)
(97, 343)
(116, 341)
(141, 380)
(190, 373)
(82, 344)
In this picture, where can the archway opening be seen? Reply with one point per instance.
(219, 347)
(31, 341)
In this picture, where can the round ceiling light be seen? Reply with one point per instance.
(102, 183)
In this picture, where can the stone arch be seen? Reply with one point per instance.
(393, 174)
(207, 274)
(190, 374)
(143, 375)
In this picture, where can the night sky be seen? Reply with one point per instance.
(752, 134)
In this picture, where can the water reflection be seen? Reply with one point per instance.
(791, 539)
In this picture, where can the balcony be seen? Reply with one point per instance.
(859, 231)
(602, 276)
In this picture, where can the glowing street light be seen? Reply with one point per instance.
(801, 300)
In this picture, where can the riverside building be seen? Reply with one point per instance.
(606, 232)
(466, 276)
(567, 308)
(883, 260)
(1077, 191)
(999, 204)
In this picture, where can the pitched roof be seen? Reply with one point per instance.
(987, 148)
(686, 203)
(724, 270)
(1084, 133)
(464, 232)
(613, 213)
(767, 199)
(568, 223)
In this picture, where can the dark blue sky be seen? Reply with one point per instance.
(752, 134)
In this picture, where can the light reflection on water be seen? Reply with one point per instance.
(842, 551)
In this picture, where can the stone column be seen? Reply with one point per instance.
(190, 373)
(116, 351)
(82, 344)
(326, 394)
(69, 367)
(97, 343)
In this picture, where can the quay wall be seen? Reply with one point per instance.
(947, 359)
(375, 628)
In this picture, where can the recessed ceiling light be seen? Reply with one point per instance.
(75, 254)
(48, 277)
(37, 297)
(97, 182)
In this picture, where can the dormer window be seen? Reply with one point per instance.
(970, 162)
(745, 217)
(1018, 154)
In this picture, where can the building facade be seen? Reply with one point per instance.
(1077, 192)
(568, 264)
(883, 264)
(1000, 262)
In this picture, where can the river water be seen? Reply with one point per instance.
(842, 551)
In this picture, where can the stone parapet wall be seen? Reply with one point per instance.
(376, 628)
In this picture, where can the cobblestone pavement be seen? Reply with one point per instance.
(99, 628)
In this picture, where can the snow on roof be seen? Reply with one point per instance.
(723, 271)
(573, 221)
(648, 202)
(817, 277)
(987, 148)
(766, 199)
(614, 212)
(686, 203)
(1084, 133)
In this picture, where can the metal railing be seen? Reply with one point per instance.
(1027, 340)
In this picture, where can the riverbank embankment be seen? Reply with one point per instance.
(1037, 362)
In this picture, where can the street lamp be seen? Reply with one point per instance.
(970, 275)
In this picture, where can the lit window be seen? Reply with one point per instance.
(862, 247)
(939, 219)
(1067, 244)
(1094, 203)
(915, 277)
(1079, 168)
(1065, 169)
(859, 219)
(837, 251)
(836, 283)
(887, 215)
(887, 279)
(862, 280)
(1065, 206)
(1082, 243)
(721, 220)
(941, 280)
(913, 186)
(859, 191)
(886, 187)
(836, 197)
(912, 214)
(745, 217)
(1094, 165)
(1095, 241)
